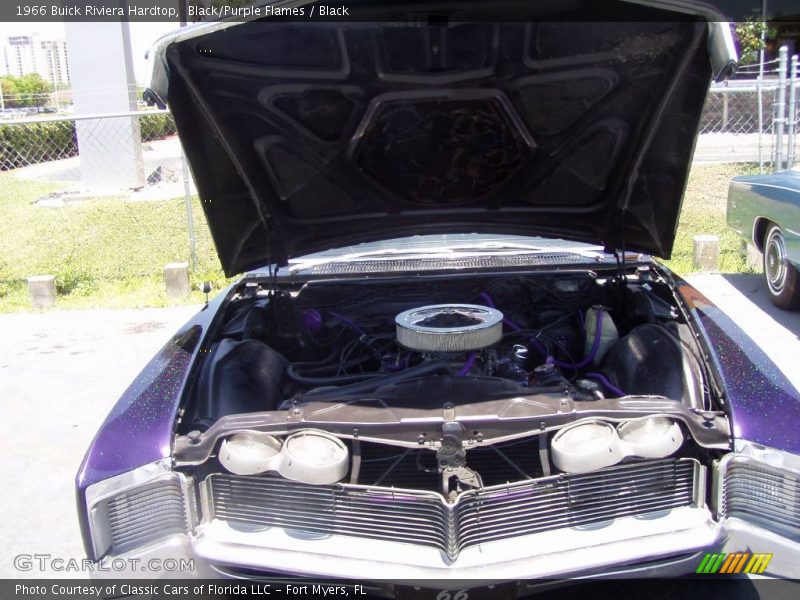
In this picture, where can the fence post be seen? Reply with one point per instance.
(759, 94)
(792, 113)
(42, 289)
(176, 277)
(705, 252)
(187, 200)
(724, 112)
(780, 108)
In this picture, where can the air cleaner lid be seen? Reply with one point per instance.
(449, 327)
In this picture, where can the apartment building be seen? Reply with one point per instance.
(25, 54)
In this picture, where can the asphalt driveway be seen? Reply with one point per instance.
(60, 373)
(745, 300)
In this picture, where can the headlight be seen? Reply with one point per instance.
(593, 444)
(655, 437)
(308, 456)
(249, 452)
(135, 508)
(585, 447)
(314, 457)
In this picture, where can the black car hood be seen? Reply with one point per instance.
(305, 136)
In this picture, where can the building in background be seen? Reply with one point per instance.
(25, 54)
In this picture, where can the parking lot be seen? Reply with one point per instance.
(60, 374)
(61, 371)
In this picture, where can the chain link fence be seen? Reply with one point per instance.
(134, 156)
(137, 155)
(34, 140)
(754, 119)
(735, 109)
(738, 124)
(139, 150)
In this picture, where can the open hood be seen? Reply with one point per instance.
(305, 136)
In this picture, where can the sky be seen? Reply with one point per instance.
(143, 35)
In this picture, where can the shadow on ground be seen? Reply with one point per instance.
(754, 289)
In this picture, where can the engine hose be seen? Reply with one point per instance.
(468, 364)
(428, 368)
(328, 360)
(350, 323)
(487, 299)
(564, 365)
(606, 383)
(598, 334)
(296, 377)
(324, 370)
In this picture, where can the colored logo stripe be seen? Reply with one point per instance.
(758, 563)
(737, 562)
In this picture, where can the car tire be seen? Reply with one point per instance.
(781, 276)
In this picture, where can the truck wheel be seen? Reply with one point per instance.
(783, 280)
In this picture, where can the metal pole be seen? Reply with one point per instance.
(759, 81)
(187, 200)
(760, 123)
(187, 192)
(780, 108)
(724, 112)
(792, 112)
(763, 38)
(55, 87)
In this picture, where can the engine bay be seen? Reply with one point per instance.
(449, 384)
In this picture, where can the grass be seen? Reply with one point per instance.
(104, 252)
(703, 211)
(110, 253)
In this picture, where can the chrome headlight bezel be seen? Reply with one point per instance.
(98, 497)
(779, 474)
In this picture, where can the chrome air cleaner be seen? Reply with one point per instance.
(449, 327)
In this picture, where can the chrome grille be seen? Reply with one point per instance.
(574, 501)
(144, 514)
(408, 516)
(422, 517)
(762, 494)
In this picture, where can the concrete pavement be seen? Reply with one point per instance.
(745, 299)
(60, 374)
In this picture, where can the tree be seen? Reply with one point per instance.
(28, 90)
(750, 43)
(8, 87)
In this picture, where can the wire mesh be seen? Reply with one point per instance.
(125, 149)
(733, 129)
(141, 149)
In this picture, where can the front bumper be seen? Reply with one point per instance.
(666, 543)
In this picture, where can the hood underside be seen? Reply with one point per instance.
(309, 136)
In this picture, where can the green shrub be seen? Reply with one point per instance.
(156, 126)
(73, 276)
(22, 145)
(35, 142)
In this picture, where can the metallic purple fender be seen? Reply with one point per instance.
(764, 406)
(139, 429)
